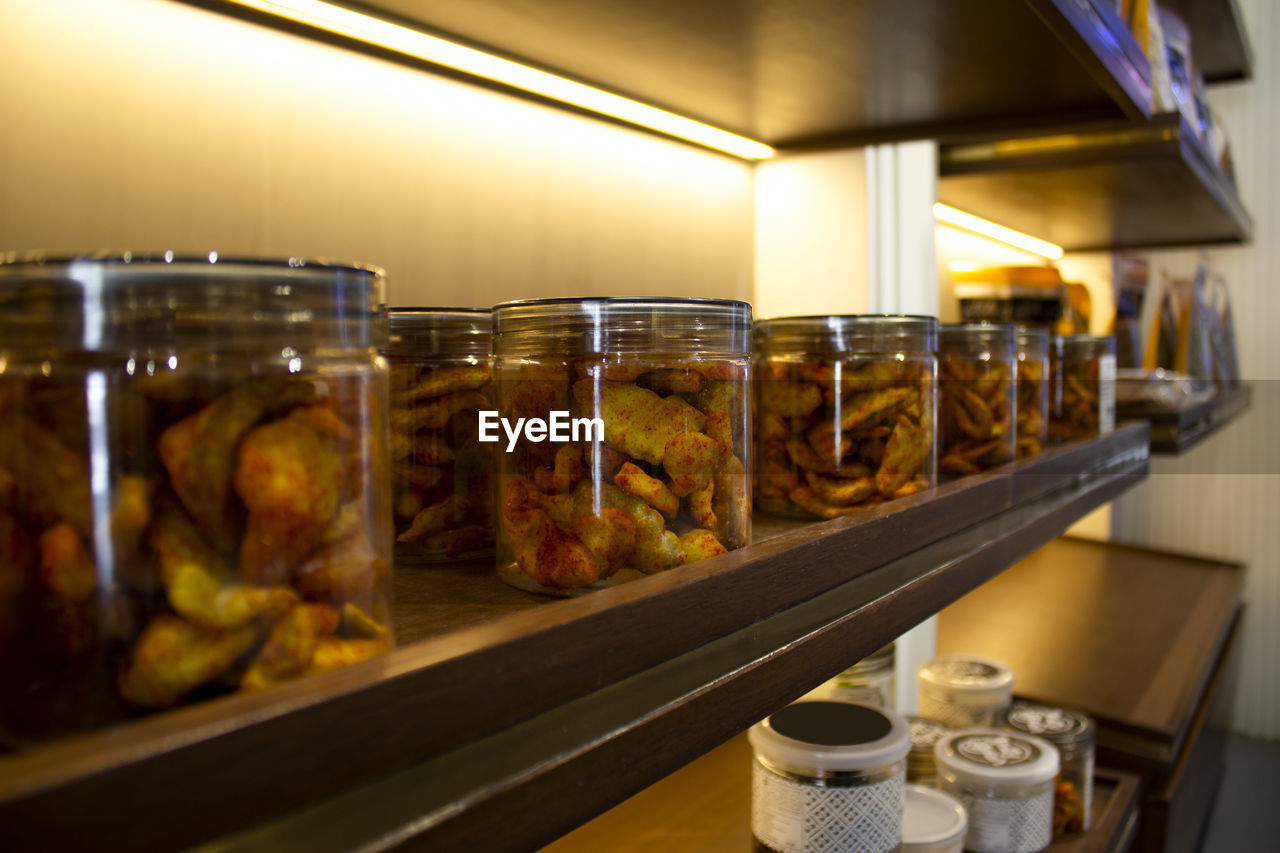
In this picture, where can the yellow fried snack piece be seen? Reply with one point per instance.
(657, 549)
(335, 652)
(340, 573)
(690, 459)
(131, 513)
(841, 491)
(702, 508)
(435, 518)
(430, 447)
(436, 413)
(803, 455)
(651, 490)
(861, 410)
(805, 498)
(355, 622)
(421, 477)
(567, 472)
(699, 544)
(290, 646)
(173, 657)
(720, 428)
(442, 381)
(610, 536)
(287, 476)
(732, 503)
(788, 399)
(904, 453)
(637, 421)
(667, 380)
(773, 427)
(50, 481)
(65, 567)
(547, 554)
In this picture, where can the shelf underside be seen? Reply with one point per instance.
(1125, 186)
(542, 714)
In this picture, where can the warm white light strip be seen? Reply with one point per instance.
(978, 225)
(384, 34)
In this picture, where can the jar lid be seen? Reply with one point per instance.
(931, 817)
(597, 324)
(848, 333)
(999, 334)
(429, 331)
(994, 756)
(831, 736)
(968, 676)
(1082, 346)
(925, 733)
(1060, 726)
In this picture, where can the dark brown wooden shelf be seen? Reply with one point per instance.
(1175, 431)
(792, 71)
(516, 718)
(1219, 41)
(1129, 185)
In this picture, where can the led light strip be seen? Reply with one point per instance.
(978, 225)
(384, 34)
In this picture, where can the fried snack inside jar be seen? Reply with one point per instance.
(977, 399)
(441, 473)
(1032, 391)
(614, 466)
(1082, 390)
(845, 409)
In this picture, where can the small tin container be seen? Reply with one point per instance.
(925, 734)
(1005, 782)
(828, 776)
(1073, 734)
(964, 690)
(932, 822)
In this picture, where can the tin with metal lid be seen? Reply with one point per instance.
(964, 690)
(828, 776)
(1073, 734)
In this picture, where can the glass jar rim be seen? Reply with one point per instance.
(847, 333)
(427, 332)
(1077, 345)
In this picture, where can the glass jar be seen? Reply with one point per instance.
(845, 409)
(870, 680)
(1033, 391)
(1005, 782)
(623, 429)
(1082, 387)
(964, 690)
(828, 776)
(977, 363)
(1073, 734)
(441, 474)
(925, 734)
(932, 822)
(193, 483)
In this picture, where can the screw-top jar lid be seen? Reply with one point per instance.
(640, 325)
(825, 737)
(848, 333)
(931, 817)
(1059, 726)
(432, 331)
(1082, 346)
(999, 339)
(995, 756)
(969, 678)
(925, 733)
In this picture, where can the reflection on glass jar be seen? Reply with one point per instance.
(441, 473)
(193, 494)
(1082, 387)
(1033, 391)
(845, 412)
(977, 404)
(623, 430)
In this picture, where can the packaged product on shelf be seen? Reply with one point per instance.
(193, 484)
(828, 776)
(1033, 391)
(845, 412)
(1177, 42)
(964, 690)
(925, 734)
(622, 436)
(1005, 782)
(932, 822)
(1082, 387)
(870, 680)
(977, 363)
(1072, 733)
(441, 473)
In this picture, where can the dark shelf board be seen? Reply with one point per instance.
(797, 71)
(1219, 41)
(1141, 184)
(542, 714)
(1175, 431)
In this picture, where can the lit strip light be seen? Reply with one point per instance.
(1017, 239)
(384, 34)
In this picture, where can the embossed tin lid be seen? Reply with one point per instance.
(930, 818)
(831, 736)
(996, 756)
(970, 679)
(1059, 726)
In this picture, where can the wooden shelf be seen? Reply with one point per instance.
(541, 714)
(1218, 38)
(1122, 186)
(1176, 431)
(789, 72)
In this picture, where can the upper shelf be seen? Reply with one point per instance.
(1116, 187)
(514, 718)
(1218, 38)
(788, 72)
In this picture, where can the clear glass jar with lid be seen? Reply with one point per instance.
(827, 777)
(1033, 390)
(977, 363)
(932, 822)
(624, 434)
(845, 412)
(193, 481)
(870, 680)
(1005, 781)
(925, 734)
(1072, 733)
(964, 690)
(441, 362)
(1082, 387)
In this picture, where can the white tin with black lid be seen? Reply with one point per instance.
(828, 776)
(1005, 781)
